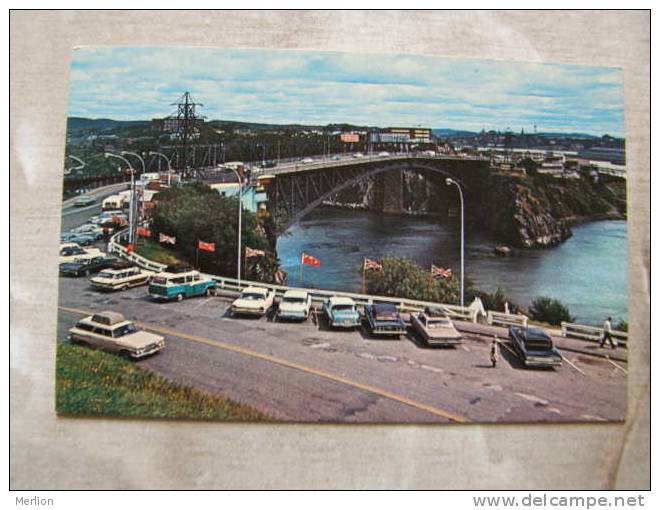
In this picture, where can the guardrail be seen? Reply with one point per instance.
(506, 319)
(592, 333)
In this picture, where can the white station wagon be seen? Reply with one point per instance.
(295, 305)
(110, 331)
(120, 279)
(70, 252)
(253, 301)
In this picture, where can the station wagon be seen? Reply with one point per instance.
(166, 286)
(120, 279)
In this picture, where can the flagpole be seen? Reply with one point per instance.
(197, 255)
(301, 269)
(364, 263)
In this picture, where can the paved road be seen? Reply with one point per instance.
(305, 372)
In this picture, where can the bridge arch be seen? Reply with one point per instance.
(297, 211)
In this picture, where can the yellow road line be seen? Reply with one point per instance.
(291, 364)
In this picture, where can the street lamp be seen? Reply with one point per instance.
(240, 209)
(130, 210)
(169, 165)
(449, 182)
(136, 216)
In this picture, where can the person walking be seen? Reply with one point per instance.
(493, 352)
(607, 334)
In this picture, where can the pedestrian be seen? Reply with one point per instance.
(493, 352)
(607, 334)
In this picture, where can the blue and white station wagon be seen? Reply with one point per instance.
(187, 283)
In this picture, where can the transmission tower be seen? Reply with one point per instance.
(187, 127)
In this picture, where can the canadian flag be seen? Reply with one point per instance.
(143, 232)
(210, 247)
(249, 252)
(372, 264)
(308, 260)
(162, 238)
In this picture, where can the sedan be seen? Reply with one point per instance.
(534, 346)
(86, 267)
(79, 239)
(384, 319)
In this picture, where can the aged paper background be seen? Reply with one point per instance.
(50, 452)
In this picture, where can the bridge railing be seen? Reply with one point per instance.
(506, 319)
(592, 333)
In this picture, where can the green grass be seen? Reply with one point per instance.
(95, 383)
(153, 251)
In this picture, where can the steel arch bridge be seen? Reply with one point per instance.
(296, 192)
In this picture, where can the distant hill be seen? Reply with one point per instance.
(445, 133)
(78, 123)
(584, 136)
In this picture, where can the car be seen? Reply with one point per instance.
(358, 155)
(534, 346)
(383, 154)
(335, 158)
(120, 279)
(341, 312)
(110, 331)
(179, 283)
(435, 327)
(384, 319)
(253, 301)
(89, 230)
(108, 216)
(79, 239)
(270, 164)
(295, 304)
(71, 251)
(84, 201)
(86, 267)
(307, 160)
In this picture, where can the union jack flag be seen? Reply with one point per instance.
(440, 272)
(250, 252)
(372, 264)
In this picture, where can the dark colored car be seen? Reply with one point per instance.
(384, 319)
(89, 266)
(270, 164)
(534, 346)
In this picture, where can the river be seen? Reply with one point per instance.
(588, 272)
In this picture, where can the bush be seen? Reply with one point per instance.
(552, 311)
(495, 300)
(621, 326)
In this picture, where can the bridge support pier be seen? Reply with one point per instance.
(389, 190)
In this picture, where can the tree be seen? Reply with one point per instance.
(195, 212)
(552, 311)
(405, 278)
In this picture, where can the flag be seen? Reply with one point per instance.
(201, 245)
(440, 272)
(143, 232)
(249, 252)
(162, 238)
(129, 248)
(372, 264)
(308, 260)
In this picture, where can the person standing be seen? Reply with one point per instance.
(607, 333)
(493, 352)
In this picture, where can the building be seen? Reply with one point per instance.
(400, 135)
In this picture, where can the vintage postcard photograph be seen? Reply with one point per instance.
(299, 236)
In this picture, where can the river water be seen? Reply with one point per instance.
(588, 272)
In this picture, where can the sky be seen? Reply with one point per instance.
(302, 87)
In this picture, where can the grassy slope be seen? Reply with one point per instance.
(95, 383)
(153, 251)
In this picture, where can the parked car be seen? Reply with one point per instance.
(84, 201)
(383, 154)
(89, 230)
(120, 279)
(534, 346)
(270, 164)
(178, 284)
(106, 216)
(253, 301)
(384, 319)
(335, 158)
(358, 155)
(71, 251)
(110, 331)
(79, 239)
(435, 327)
(341, 312)
(306, 160)
(88, 266)
(295, 304)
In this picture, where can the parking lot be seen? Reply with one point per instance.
(308, 372)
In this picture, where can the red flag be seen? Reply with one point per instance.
(206, 246)
(308, 260)
(249, 252)
(372, 264)
(143, 232)
(162, 238)
(129, 248)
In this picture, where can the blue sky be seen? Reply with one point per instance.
(368, 89)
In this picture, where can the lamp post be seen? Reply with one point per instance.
(169, 165)
(136, 215)
(130, 210)
(449, 182)
(240, 209)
